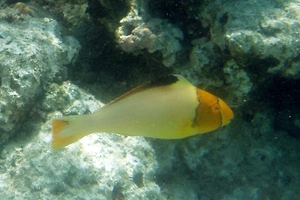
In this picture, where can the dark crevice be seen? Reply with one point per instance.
(279, 98)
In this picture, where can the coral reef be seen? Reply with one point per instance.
(244, 51)
(264, 31)
(136, 33)
(70, 13)
(31, 54)
(238, 82)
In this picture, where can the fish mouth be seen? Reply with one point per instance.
(226, 112)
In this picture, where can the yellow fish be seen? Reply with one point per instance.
(168, 108)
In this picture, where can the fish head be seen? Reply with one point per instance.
(212, 112)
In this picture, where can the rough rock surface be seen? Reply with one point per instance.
(208, 68)
(137, 32)
(266, 31)
(31, 54)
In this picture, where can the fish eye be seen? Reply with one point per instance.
(216, 108)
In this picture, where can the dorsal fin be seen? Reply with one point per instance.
(162, 81)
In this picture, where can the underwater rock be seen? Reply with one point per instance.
(71, 14)
(203, 66)
(31, 54)
(137, 32)
(237, 81)
(265, 31)
(74, 14)
(208, 69)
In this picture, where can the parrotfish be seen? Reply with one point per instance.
(167, 108)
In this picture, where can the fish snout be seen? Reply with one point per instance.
(226, 112)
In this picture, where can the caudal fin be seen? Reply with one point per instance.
(63, 133)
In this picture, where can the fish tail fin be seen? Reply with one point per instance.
(65, 132)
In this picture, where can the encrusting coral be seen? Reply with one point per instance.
(136, 32)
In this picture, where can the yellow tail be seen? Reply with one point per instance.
(63, 133)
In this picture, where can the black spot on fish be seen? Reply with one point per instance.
(162, 81)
